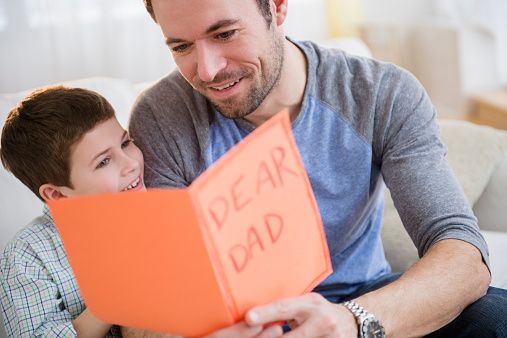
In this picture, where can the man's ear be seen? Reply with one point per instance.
(50, 192)
(280, 13)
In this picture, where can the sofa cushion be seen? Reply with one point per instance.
(120, 93)
(474, 152)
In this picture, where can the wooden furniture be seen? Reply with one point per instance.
(490, 109)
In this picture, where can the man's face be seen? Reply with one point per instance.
(224, 49)
(105, 160)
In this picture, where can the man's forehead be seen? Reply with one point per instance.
(199, 15)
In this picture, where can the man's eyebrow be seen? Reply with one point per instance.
(216, 26)
(220, 24)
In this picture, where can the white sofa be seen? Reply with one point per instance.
(478, 154)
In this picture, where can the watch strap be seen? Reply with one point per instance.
(357, 310)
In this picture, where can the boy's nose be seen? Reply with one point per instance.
(209, 60)
(130, 164)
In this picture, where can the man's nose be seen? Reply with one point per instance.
(209, 60)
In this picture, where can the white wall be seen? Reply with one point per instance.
(306, 20)
(44, 42)
(456, 48)
(395, 11)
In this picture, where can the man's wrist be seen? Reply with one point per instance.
(368, 326)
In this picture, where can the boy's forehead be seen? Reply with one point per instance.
(102, 136)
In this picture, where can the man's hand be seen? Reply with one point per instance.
(237, 330)
(244, 330)
(309, 316)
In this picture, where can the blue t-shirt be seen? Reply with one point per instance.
(340, 174)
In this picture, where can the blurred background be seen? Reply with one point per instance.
(457, 48)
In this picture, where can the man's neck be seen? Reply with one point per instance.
(289, 91)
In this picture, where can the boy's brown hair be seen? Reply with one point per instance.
(39, 133)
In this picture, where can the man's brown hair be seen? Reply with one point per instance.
(262, 4)
(39, 133)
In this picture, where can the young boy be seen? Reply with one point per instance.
(60, 142)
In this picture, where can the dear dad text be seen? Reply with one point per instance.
(272, 173)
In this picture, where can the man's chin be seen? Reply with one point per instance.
(230, 112)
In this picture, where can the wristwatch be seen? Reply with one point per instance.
(368, 325)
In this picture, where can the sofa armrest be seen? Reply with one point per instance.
(491, 207)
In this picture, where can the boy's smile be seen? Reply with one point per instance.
(134, 185)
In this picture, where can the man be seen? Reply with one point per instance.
(355, 121)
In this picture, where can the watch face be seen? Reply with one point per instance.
(371, 328)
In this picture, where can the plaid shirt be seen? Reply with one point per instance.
(39, 295)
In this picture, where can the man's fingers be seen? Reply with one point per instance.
(282, 310)
(273, 331)
(278, 311)
(310, 328)
(240, 329)
(292, 323)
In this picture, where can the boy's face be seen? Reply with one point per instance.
(105, 160)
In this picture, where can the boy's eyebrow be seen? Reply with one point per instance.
(216, 26)
(125, 134)
(99, 155)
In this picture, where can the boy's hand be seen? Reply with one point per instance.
(132, 332)
(87, 325)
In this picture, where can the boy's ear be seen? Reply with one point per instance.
(280, 11)
(50, 192)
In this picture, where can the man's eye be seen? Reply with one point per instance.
(180, 48)
(126, 143)
(103, 163)
(226, 35)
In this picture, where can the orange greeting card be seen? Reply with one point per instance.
(190, 261)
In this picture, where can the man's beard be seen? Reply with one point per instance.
(271, 71)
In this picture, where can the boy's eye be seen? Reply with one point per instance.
(226, 35)
(126, 143)
(103, 163)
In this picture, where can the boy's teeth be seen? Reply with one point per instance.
(133, 184)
